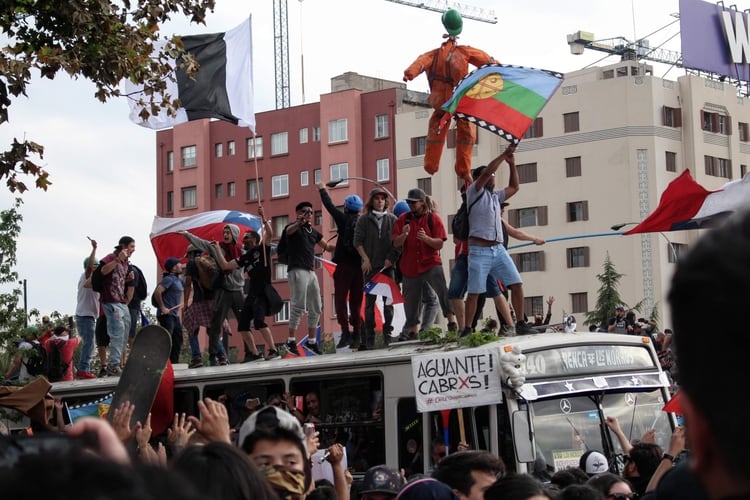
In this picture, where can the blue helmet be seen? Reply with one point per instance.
(400, 208)
(353, 203)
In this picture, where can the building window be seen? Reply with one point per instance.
(526, 173)
(337, 130)
(672, 117)
(340, 171)
(280, 271)
(231, 189)
(279, 143)
(573, 166)
(303, 135)
(418, 145)
(718, 167)
(578, 257)
(170, 161)
(716, 123)
(219, 191)
(535, 130)
(570, 122)
(670, 159)
(189, 156)
(318, 217)
(189, 197)
(675, 251)
(254, 189)
(304, 178)
(381, 126)
(383, 166)
(283, 315)
(525, 217)
(317, 175)
(577, 211)
(316, 134)
(254, 148)
(425, 184)
(279, 223)
(170, 202)
(219, 149)
(280, 185)
(744, 132)
(533, 306)
(743, 171)
(529, 261)
(231, 148)
(579, 302)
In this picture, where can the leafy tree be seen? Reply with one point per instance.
(104, 41)
(608, 297)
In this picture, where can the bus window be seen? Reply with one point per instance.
(639, 412)
(186, 400)
(347, 410)
(238, 397)
(409, 439)
(470, 425)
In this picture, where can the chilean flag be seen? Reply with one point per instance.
(167, 242)
(685, 204)
(382, 285)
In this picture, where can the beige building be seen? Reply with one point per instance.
(601, 153)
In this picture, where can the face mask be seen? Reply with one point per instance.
(288, 481)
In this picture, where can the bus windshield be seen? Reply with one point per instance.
(566, 427)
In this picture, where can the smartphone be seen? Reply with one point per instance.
(16, 446)
(309, 429)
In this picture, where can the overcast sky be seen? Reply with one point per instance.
(102, 166)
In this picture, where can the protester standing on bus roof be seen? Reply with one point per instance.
(717, 434)
(372, 239)
(87, 310)
(487, 255)
(114, 300)
(301, 238)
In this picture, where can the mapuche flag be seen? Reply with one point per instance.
(222, 87)
(503, 99)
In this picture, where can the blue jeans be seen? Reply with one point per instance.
(118, 326)
(86, 326)
(171, 323)
(195, 346)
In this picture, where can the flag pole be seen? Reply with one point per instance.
(260, 199)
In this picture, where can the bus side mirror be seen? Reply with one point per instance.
(523, 437)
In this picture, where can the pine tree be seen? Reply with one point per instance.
(608, 296)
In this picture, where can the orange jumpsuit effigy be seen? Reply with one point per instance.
(445, 67)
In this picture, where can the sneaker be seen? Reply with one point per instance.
(196, 363)
(252, 357)
(114, 371)
(291, 346)
(452, 326)
(313, 346)
(508, 331)
(344, 340)
(272, 355)
(523, 328)
(466, 331)
(362, 347)
(84, 375)
(102, 373)
(223, 361)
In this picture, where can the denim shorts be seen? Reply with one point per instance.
(491, 261)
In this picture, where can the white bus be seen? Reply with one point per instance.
(573, 382)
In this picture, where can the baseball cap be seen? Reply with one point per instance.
(382, 479)
(270, 418)
(619, 308)
(376, 191)
(170, 263)
(416, 194)
(593, 462)
(86, 262)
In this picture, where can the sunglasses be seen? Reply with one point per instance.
(307, 212)
(411, 202)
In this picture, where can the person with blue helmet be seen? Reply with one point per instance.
(401, 207)
(347, 278)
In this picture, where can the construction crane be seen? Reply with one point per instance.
(466, 11)
(619, 46)
(281, 53)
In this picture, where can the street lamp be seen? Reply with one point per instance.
(335, 183)
(672, 249)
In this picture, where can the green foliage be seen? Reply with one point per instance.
(104, 41)
(11, 317)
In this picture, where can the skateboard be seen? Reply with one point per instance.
(143, 371)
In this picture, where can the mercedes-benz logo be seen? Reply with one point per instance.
(565, 406)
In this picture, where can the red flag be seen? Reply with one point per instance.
(382, 285)
(162, 411)
(673, 405)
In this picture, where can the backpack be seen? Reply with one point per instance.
(37, 363)
(56, 367)
(209, 274)
(460, 224)
(141, 288)
(282, 256)
(97, 279)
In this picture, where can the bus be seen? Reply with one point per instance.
(377, 402)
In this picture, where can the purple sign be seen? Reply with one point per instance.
(715, 39)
